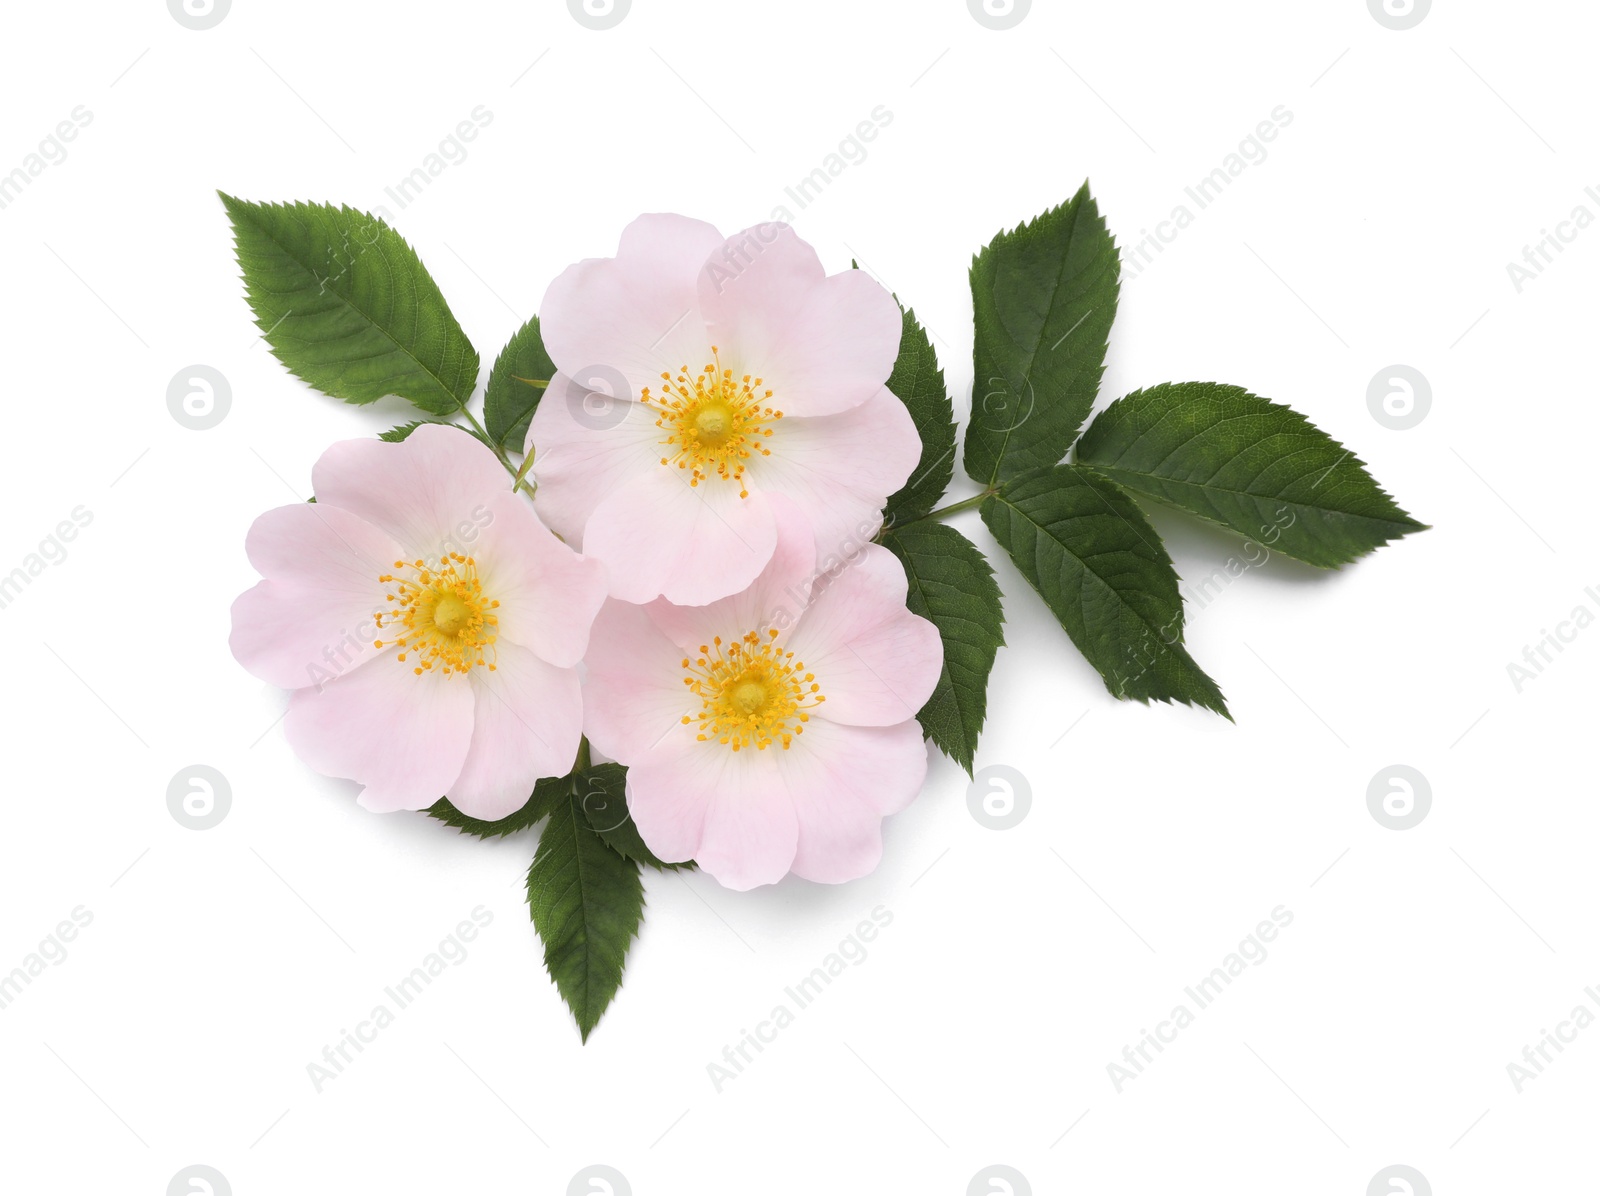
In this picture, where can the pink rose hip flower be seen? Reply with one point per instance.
(428, 623)
(697, 376)
(771, 731)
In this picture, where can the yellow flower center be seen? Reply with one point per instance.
(750, 691)
(441, 615)
(714, 421)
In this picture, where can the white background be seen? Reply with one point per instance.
(1019, 963)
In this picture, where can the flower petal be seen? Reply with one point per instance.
(753, 287)
(775, 598)
(633, 692)
(636, 314)
(664, 244)
(823, 344)
(877, 662)
(691, 544)
(842, 781)
(430, 491)
(527, 720)
(728, 811)
(402, 736)
(585, 449)
(840, 469)
(313, 616)
(548, 594)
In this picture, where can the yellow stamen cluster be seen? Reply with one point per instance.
(751, 692)
(714, 422)
(441, 615)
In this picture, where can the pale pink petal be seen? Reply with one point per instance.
(877, 662)
(291, 635)
(664, 244)
(753, 287)
(313, 616)
(840, 469)
(638, 313)
(430, 491)
(691, 544)
(548, 594)
(775, 599)
(634, 692)
(328, 548)
(821, 344)
(730, 811)
(842, 781)
(402, 736)
(585, 447)
(741, 814)
(527, 720)
(667, 804)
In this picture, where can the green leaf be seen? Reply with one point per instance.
(950, 584)
(601, 793)
(345, 303)
(548, 792)
(1247, 463)
(918, 382)
(508, 402)
(1101, 569)
(400, 431)
(587, 902)
(1043, 298)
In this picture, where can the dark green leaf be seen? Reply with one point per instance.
(1247, 463)
(345, 303)
(508, 402)
(601, 794)
(1043, 298)
(587, 901)
(1101, 569)
(951, 584)
(547, 793)
(919, 383)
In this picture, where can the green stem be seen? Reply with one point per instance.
(955, 508)
(581, 764)
(517, 482)
(966, 504)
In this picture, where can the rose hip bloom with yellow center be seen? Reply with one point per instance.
(697, 376)
(771, 731)
(428, 623)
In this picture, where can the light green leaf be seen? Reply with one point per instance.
(587, 902)
(918, 382)
(508, 400)
(601, 792)
(1101, 569)
(1043, 299)
(345, 303)
(950, 584)
(1247, 463)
